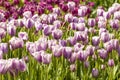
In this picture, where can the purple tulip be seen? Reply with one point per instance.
(103, 53)
(23, 35)
(38, 26)
(68, 17)
(31, 47)
(95, 40)
(51, 43)
(57, 50)
(27, 14)
(86, 64)
(37, 56)
(67, 52)
(117, 15)
(81, 26)
(57, 23)
(91, 22)
(78, 47)
(100, 12)
(73, 26)
(71, 5)
(11, 30)
(108, 46)
(90, 50)
(101, 30)
(72, 40)
(115, 43)
(47, 30)
(82, 11)
(4, 47)
(72, 67)
(82, 55)
(111, 62)
(2, 33)
(16, 43)
(81, 20)
(106, 15)
(1, 16)
(44, 18)
(75, 19)
(73, 58)
(105, 37)
(29, 23)
(46, 58)
(62, 42)
(115, 24)
(56, 10)
(95, 72)
(57, 34)
(20, 22)
(101, 24)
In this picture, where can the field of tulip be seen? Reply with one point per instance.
(59, 40)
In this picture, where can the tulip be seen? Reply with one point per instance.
(56, 10)
(57, 24)
(86, 64)
(23, 35)
(72, 67)
(111, 62)
(37, 56)
(71, 5)
(115, 24)
(11, 30)
(73, 26)
(38, 26)
(2, 33)
(78, 47)
(57, 34)
(16, 43)
(67, 52)
(100, 12)
(91, 22)
(82, 55)
(90, 50)
(62, 43)
(82, 11)
(117, 15)
(29, 23)
(95, 72)
(4, 47)
(68, 17)
(103, 53)
(27, 14)
(72, 40)
(57, 50)
(81, 20)
(81, 26)
(106, 15)
(47, 30)
(105, 36)
(46, 58)
(108, 46)
(95, 40)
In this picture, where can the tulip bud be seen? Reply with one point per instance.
(95, 72)
(111, 62)
(95, 40)
(72, 67)
(27, 14)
